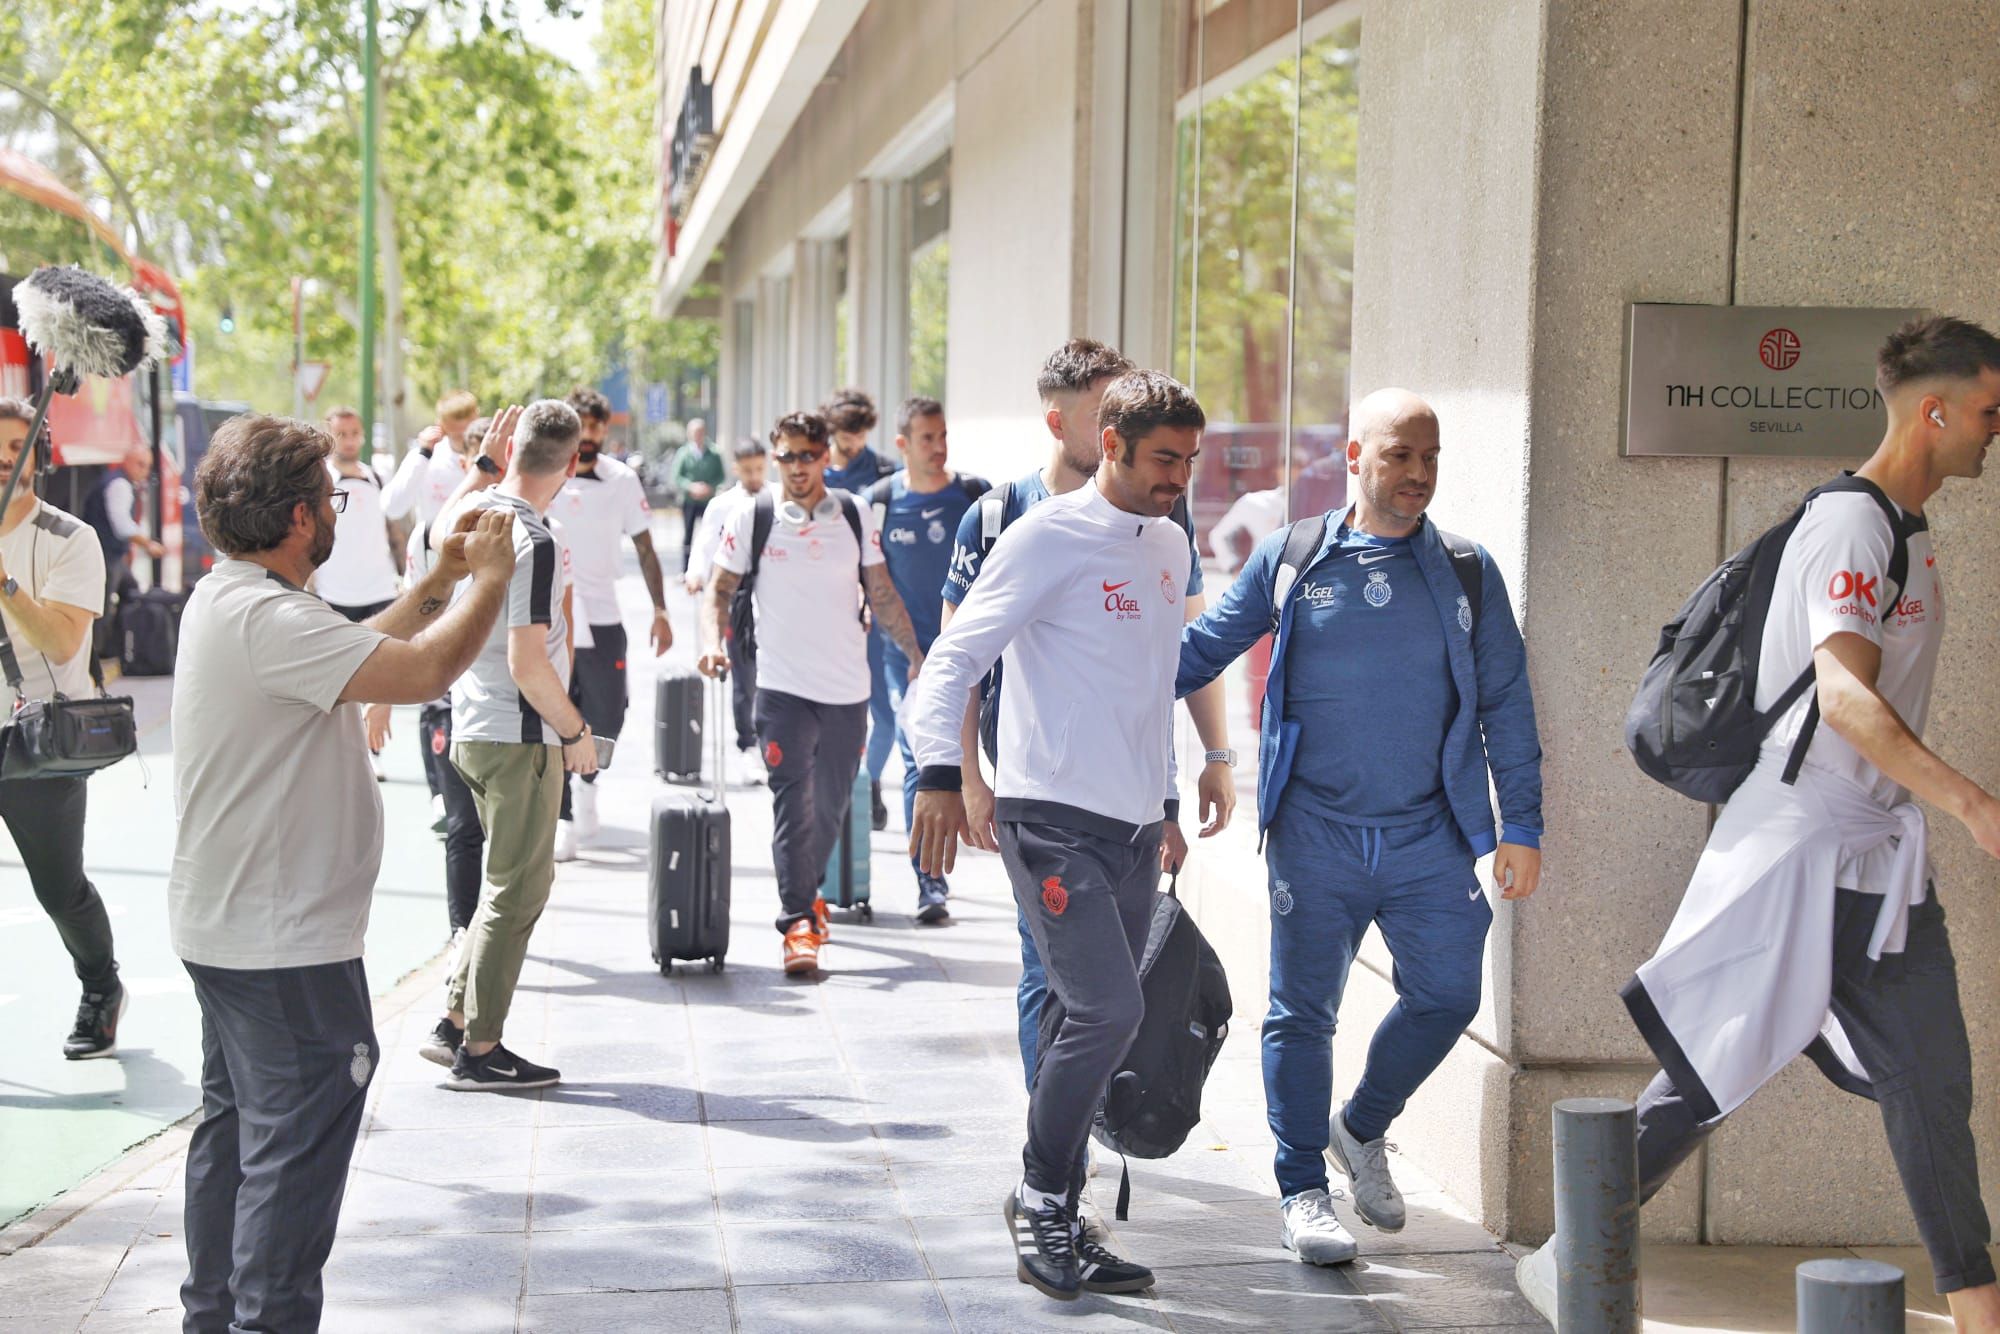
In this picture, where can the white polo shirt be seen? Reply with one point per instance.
(280, 832)
(810, 641)
(598, 511)
(56, 558)
(360, 572)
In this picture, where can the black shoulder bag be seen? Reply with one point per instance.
(62, 737)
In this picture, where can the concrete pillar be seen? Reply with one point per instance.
(810, 334)
(878, 285)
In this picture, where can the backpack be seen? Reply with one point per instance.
(1694, 725)
(883, 491)
(993, 507)
(742, 605)
(1302, 543)
(1154, 1099)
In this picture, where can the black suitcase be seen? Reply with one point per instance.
(151, 623)
(677, 728)
(688, 871)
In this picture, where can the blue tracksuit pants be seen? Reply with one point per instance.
(1328, 883)
(881, 706)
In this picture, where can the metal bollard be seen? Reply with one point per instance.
(1850, 1297)
(1597, 1216)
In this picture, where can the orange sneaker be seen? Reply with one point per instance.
(801, 948)
(823, 918)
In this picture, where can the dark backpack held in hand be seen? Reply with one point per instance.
(1694, 724)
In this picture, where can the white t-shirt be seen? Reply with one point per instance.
(598, 511)
(1834, 578)
(422, 485)
(56, 558)
(360, 572)
(810, 642)
(718, 516)
(280, 822)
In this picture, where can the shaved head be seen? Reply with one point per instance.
(1390, 413)
(1392, 451)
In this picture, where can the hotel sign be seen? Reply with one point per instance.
(1757, 381)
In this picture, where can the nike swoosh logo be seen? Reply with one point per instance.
(932, 514)
(1472, 893)
(807, 529)
(1371, 560)
(1110, 587)
(508, 1073)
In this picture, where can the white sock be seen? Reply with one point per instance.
(1040, 1200)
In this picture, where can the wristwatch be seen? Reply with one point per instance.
(11, 586)
(486, 465)
(1227, 757)
(572, 740)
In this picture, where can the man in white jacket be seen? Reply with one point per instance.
(1083, 595)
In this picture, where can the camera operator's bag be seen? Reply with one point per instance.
(62, 737)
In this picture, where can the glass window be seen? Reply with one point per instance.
(930, 274)
(843, 369)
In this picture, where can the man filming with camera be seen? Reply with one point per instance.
(51, 590)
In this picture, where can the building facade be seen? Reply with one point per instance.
(1289, 203)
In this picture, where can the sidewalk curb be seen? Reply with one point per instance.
(171, 1141)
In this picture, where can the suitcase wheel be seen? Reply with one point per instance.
(666, 968)
(715, 964)
(867, 911)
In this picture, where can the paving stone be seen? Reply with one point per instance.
(625, 1260)
(629, 1199)
(1443, 1291)
(970, 1186)
(1283, 1295)
(461, 1313)
(448, 1155)
(656, 1146)
(765, 1195)
(424, 1269)
(815, 1308)
(379, 1206)
(846, 1252)
(700, 1311)
(432, 1107)
(966, 1245)
(764, 1143)
(630, 1100)
(1009, 1306)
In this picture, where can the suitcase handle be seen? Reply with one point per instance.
(718, 698)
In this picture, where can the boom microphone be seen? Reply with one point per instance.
(81, 325)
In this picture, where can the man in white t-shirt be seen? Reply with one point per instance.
(752, 468)
(600, 507)
(821, 554)
(51, 589)
(359, 578)
(279, 842)
(1811, 923)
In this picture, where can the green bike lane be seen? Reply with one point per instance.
(62, 1120)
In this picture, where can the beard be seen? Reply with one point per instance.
(322, 544)
(587, 455)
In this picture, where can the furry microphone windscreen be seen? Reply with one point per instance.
(81, 323)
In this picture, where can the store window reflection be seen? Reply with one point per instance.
(930, 274)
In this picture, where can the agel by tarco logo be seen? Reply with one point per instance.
(1121, 605)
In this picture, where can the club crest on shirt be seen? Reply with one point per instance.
(1168, 589)
(1377, 590)
(1464, 613)
(1054, 897)
(936, 532)
(361, 1066)
(1281, 899)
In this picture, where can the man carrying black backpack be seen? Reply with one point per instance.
(1811, 924)
(1398, 684)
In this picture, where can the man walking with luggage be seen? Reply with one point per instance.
(819, 555)
(1812, 922)
(279, 843)
(918, 510)
(514, 734)
(51, 580)
(600, 506)
(752, 469)
(1083, 595)
(1393, 696)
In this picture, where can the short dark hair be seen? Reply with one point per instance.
(1079, 364)
(808, 426)
(1938, 347)
(589, 403)
(850, 409)
(475, 433)
(256, 470)
(16, 410)
(1138, 403)
(913, 408)
(747, 448)
(545, 437)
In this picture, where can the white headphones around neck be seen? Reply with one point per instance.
(795, 514)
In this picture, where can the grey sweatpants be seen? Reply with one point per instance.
(1088, 901)
(1904, 1019)
(286, 1056)
(812, 751)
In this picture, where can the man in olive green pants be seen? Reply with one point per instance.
(514, 732)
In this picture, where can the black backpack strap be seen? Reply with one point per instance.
(1302, 543)
(1900, 529)
(1124, 1208)
(1471, 572)
(763, 513)
(974, 487)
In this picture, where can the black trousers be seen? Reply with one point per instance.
(45, 817)
(286, 1058)
(598, 688)
(464, 840)
(813, 751)
(691, 512)
(1903, 1016)
(743, 694)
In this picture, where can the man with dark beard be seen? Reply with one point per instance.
(279, 843)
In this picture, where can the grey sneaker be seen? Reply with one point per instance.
(1376, 1198)
(1313, 1230)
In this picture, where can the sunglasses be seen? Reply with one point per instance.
(806, 456)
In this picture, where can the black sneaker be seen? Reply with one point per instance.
(497, 1071)
(442, 1043)
(96, 1032)
(1044, 1250)
(1102, 1271)
(878, 813)
(931, 895)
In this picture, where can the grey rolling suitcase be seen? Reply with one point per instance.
(688, 869)
(677, 727)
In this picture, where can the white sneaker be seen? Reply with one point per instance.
(1376, 1198)
(1315, 1232)
(583, 805)
(565, 840)
(1535, 1275)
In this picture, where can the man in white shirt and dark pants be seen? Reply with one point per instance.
(359, 578)
(1083, 594)
(51, 585)
(752, 468)
(279, 843)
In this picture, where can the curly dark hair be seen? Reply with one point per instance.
(589, 403)
(256, 470)
(807, 426)
(1939, 347)
(1079, 364)
(850, 410)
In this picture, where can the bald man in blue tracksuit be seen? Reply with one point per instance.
(1398, 683)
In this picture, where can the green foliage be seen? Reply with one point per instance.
(930, 276)
(520, 191)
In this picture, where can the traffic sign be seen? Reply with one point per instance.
(312, 377)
